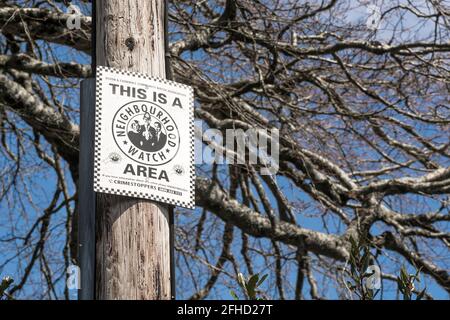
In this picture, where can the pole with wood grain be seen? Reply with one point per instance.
(127, 255)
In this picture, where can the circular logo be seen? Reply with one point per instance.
(146, 133)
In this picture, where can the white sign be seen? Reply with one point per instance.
(144, 137)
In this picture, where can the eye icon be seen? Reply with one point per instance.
(114, 157)
(178, 170)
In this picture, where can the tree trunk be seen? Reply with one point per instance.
(132, 235)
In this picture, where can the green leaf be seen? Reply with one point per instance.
(260, 282)
(4, 284)
(404, 274)
(251, 286)
(234, 295)
(241, 280)
(253, 281)
(401, 285)
(418, 274)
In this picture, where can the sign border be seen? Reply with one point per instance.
(97, 141)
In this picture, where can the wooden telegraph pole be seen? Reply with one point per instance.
(128, 253)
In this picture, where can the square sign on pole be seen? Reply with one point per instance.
(144, 137)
